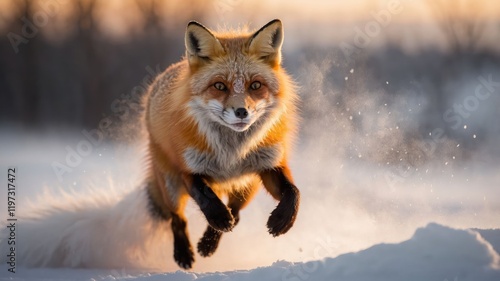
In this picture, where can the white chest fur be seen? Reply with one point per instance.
(233, 154)
(224, 165)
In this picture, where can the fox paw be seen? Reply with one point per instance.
(209, 242)
(184, 257)
(283, 217)
(220, 218)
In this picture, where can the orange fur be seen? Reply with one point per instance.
(227, 112)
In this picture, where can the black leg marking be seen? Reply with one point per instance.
(217, 214)
(183, 253)
(209, 242)
(211, 238)
(283, 217)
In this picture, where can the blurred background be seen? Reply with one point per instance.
(63, 62)
(400, 105)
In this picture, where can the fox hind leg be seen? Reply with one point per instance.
(237, 201)
(183, 252)
(171, 208)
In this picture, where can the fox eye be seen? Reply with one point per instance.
(255, 85)
(220, 86)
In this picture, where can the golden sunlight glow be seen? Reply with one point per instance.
(334, 19)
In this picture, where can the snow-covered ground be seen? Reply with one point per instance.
(435, 252)
(358, 220)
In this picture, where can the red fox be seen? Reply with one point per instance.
(221, 123)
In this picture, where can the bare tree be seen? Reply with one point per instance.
(30, 54)
(150, 10)
(461, 23)
(90, 61)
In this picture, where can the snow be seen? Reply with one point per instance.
(435, 252)
(358, 220)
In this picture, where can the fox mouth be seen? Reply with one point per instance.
(238, 126)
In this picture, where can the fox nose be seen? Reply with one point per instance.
(241, 113)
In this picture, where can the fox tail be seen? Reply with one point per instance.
(100, 229)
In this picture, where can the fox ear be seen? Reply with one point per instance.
(201, 44)
(267, 41)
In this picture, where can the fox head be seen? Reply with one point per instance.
(234, 77)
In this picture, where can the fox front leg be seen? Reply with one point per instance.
(216, 213)
(238, 199)
(279, 183)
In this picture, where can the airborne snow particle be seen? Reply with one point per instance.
(346, 78)
(352, 70)
(465, 127)
(387, 82)
(474, 136)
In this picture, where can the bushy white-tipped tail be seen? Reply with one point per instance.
(101, 229)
